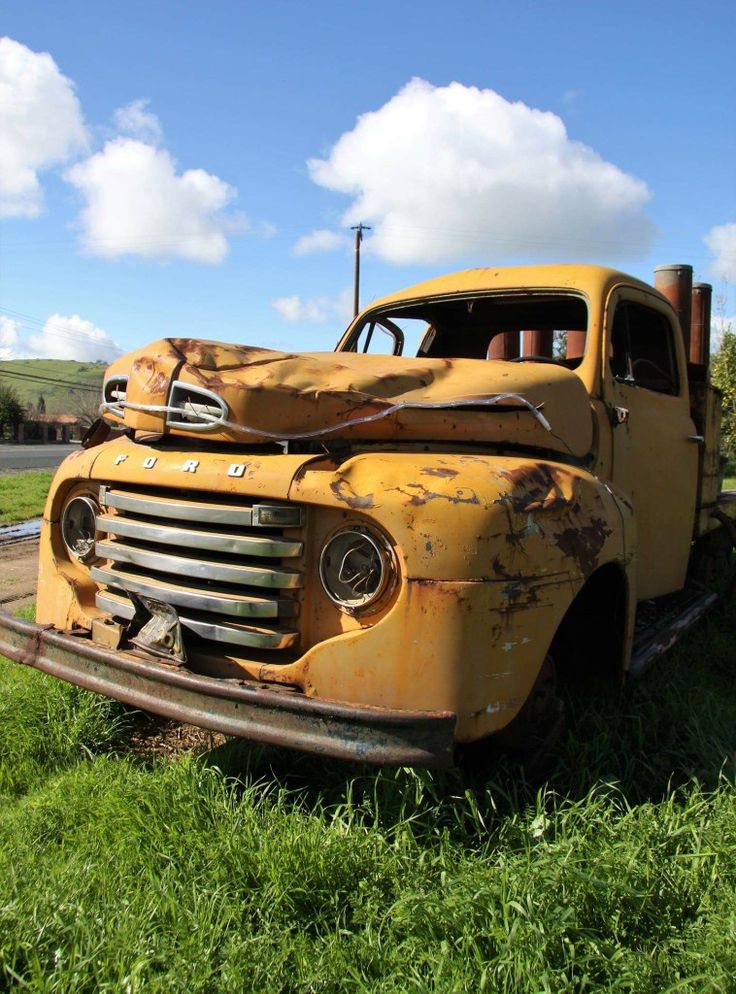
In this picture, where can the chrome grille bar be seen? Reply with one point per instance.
(199, 569)
(243, 545)
(211, 512)
(207, 626)
(230, 568)
(182, 594)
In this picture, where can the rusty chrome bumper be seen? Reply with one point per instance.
(262, 714)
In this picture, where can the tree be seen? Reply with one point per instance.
(723, 375)
(11, 409)
(85, 405)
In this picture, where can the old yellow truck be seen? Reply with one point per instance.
(386, 551)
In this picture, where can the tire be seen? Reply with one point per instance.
(531, 738)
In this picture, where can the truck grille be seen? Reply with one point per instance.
(231, 570)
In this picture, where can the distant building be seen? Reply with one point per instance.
(50, 428)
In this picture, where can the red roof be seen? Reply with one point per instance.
(53, 419)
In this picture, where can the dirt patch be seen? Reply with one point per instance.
(148, 736)
(151, 737)
(19, 571)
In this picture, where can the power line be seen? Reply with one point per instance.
(38, 378)
(23, 319)
(42, 326)
(429, 231)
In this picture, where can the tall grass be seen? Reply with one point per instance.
(23, 496)
(254, 869)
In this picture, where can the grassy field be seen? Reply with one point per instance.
(59, 399)
(253, 869)
(23, 496)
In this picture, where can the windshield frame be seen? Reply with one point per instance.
(349, 340)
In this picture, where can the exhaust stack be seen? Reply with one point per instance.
(505, 345)
(700, 324)
(538, 343)
(675, 282)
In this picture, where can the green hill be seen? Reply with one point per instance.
(64, 384)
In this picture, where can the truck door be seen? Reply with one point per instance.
(655, 450)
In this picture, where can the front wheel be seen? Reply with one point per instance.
(531, 737)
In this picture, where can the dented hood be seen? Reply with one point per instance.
(254, 395)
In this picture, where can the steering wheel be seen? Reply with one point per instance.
(661, 373)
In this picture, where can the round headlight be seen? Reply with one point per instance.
(355, 568)
(78, 527)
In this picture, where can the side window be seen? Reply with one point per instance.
(379, 337)
(642, 349)
(394, 335)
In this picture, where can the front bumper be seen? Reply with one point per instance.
(251, 711)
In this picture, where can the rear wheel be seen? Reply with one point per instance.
(712, 554)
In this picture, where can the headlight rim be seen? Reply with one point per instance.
(389, 569)
(89, 499)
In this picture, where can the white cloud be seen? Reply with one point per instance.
(40, 123)
(316, 310)
(137, 204)
(135, 120)
(442, 172)
(721, 240)
(61, 337)
(9, 337)
(321, 240)
(72, 337)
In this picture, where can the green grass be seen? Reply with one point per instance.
(254, 869)
(729, 483)
(23, 496)
(59, 399)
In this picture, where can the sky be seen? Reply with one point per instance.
(194, 169)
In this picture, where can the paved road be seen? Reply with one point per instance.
(15, 457)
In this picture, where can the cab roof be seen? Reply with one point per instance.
(593, 281)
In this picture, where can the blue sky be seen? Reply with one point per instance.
(170, 163)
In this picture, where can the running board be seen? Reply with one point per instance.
(665, 625)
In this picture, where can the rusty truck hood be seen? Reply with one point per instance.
(268, 395)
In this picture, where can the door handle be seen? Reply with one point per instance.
(695, 438)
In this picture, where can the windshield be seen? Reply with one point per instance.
(543, 327)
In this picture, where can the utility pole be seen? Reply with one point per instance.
(358, 229)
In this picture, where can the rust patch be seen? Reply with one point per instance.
(392, 384)
(537, 487)
(345, 493)
(502, 572)
(455, 590)
(217, 356)
(77, 454)
(583, 544)
(423, 495)
(520, 595)
(151, 378)
(445, 473)
(157, 383)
